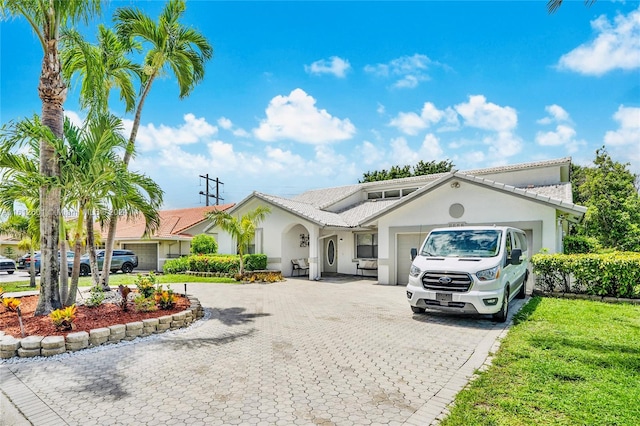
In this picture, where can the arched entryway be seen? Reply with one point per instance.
(295, 245)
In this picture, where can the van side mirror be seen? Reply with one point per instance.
(516, 254)
(414, 253)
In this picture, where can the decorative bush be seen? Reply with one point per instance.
(204, 244)
(614, 274)
(576, 244)
(144, 304)
(146, 284)
(165, 298)
(228, 264)
(63, 318)
(255, 262)
(96, 296)
(176, 266)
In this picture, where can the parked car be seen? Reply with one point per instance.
(24, 261)
(469, 270)
(7, 265)
(121, 260)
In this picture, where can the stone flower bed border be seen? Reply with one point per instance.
(32, 346)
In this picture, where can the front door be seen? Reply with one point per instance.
(331, 254)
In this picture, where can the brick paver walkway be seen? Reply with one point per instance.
(292, 353)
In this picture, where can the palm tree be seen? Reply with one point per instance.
(99, 183)
(100, 68)
(47, 18)
(242, 229)
(554, 5)
(172, 47)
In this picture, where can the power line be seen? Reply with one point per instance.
(206, 193)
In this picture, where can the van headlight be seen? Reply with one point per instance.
(414, 271)
(489, 274)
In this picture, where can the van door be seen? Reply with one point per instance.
(510, 271)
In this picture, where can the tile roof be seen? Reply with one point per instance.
(172, 222)
(311, 204)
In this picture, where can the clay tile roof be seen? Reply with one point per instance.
(172, 222)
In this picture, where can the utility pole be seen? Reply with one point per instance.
(207, 194)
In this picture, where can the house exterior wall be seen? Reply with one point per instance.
(482, 206)
(549, 175)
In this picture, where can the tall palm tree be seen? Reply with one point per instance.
(242, 229)
(172, 48)
(99, 67)
(554, 5)
(47, 18)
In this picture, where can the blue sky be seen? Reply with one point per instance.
(303, 95)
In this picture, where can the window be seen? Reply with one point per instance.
(392, 194)
(408, 191)
(374, 195)
(367, 246)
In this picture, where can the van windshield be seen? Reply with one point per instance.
(463, 243)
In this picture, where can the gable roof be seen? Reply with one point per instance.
(311, 205)
(173, 223)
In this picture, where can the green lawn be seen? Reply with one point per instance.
(117, 279)
(564, 362)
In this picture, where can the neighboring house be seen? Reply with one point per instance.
(336, 228)
(9, 247)
(170, 241)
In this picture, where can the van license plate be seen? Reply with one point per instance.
(443, 297)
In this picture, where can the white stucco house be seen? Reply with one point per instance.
(336, 228)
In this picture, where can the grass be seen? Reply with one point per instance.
(117, 279)
(564, 362)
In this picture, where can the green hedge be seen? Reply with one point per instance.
(225, 263)
(614, 274)
(575, 244)
(176, 266)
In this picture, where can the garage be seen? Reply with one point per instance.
(405, 242)
(147, 255)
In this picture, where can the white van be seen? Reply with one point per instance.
(471, 269)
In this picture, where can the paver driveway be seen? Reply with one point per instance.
(298, 352)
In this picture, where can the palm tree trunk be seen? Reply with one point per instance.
(53, 92)
(75, 270)
(64, 267)
(93, 261)
(32, 267)
(113, 220)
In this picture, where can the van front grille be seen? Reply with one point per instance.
(447, 281)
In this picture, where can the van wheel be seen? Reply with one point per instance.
(521, 293)
(417, 310)
(501, 315)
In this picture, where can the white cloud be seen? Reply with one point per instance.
(380, 110)
(411, 123)
(371, 154)
(296, 117)
(503, 145)
(617, 46)
(335, 66)
(628, 133)
(408, 70)
(561, 136)
(75, 119)
(488, 116)
(225, 123)
(152, 138)
(430, 148)
(557, 114)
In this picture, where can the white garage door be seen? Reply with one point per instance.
(147, 255)
(405, 242)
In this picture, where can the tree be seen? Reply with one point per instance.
(398, 172)
(47, 18)
(554, 5)
(204, 244)
(242, 229)
(172, 46)
(22, 227)
(610, 193)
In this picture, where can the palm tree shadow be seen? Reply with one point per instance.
(179, 344)
(234, 316)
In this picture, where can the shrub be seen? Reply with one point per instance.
(144, 304)
(165, 298)
(96, 296)
(204, 244)
(176, 266)
(576, 244)
(614, 274)
(63, 318)
(255, 262)
(146, 284)
(214, 263)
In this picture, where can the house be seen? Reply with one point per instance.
(336, 228)
(171, 240)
